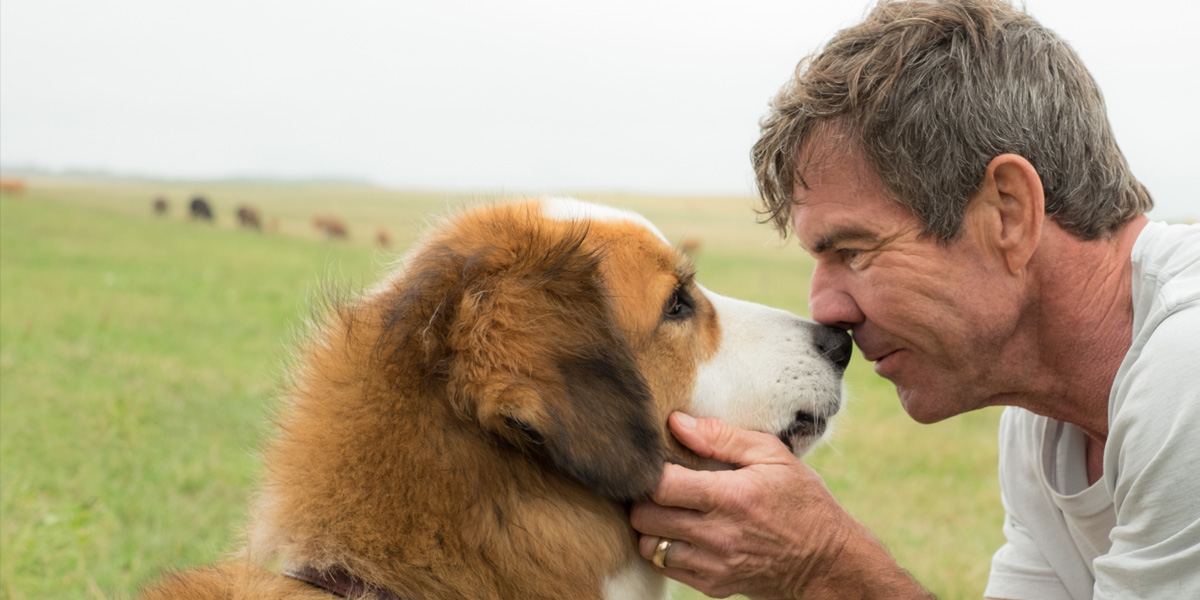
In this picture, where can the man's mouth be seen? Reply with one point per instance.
(881, 361)
(878, 355)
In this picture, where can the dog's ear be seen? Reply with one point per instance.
(537, 359)
(608, 438)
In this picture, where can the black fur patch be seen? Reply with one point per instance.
(610, 443)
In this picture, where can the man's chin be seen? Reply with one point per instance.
(923, 407)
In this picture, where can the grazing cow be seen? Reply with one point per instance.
(200, 209)
(690, 246)
(248, 217)
(12, 186)
(383, 238)
(160, 206)
(332, 226)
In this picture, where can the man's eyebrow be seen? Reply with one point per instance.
(842, 234)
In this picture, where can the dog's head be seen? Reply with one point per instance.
(571, 331)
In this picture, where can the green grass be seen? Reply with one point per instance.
(139, 357)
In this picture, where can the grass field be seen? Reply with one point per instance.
(139, 357)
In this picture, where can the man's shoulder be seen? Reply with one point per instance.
(1159, 375)
(1154, 406)
(1154, 412)
(1158, 372)
(1167, 256)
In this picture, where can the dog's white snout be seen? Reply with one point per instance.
(773, 372)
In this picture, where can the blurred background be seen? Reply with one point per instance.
(523, 95)
(142, 346)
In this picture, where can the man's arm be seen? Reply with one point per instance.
(769, 529)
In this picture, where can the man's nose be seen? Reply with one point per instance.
(831, 303)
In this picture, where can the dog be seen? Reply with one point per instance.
(477, 424)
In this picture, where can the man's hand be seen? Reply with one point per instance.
(769, 529)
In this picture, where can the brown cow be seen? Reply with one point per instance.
(248, 217)
(332, 226)
(160, 206)
(12, 186)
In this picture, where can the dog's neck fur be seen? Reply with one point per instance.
(443, 511)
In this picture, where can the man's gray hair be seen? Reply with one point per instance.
(931, 92)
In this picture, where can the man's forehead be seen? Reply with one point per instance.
(838, 198)
(834, 184)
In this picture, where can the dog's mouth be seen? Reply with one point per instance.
(806, 426)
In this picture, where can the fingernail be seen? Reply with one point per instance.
(685, 420)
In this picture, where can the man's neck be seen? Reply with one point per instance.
(1083, 320)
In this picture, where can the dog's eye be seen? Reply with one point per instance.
(679, 306)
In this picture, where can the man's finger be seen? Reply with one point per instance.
(680, 554)
(681, 487)
(713, 438)
(652, 518)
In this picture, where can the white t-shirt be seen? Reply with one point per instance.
(1135, 533)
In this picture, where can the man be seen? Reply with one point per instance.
(950, 167)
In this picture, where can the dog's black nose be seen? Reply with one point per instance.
(834, 344)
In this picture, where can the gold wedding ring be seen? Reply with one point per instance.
(660, 553)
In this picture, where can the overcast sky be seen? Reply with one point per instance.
(504, 96)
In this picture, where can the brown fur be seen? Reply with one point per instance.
(475, 427)
(235, 581)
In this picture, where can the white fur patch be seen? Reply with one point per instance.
(765, 370)
(570, 209)
(637, 581)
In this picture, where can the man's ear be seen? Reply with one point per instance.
(1009, 210)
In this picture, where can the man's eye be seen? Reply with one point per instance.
(849, 254)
